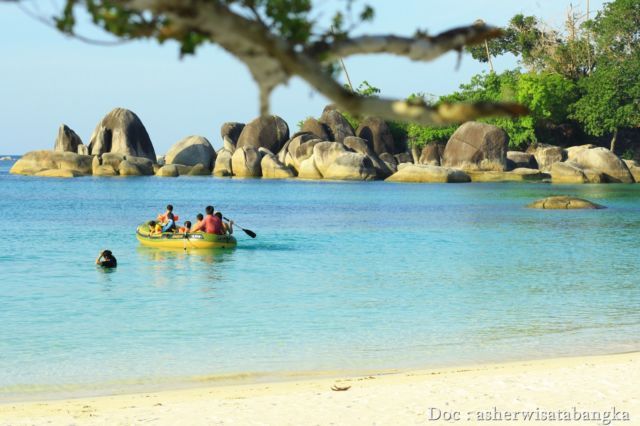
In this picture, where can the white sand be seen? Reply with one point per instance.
(592, 384)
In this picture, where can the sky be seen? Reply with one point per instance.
(49, 79)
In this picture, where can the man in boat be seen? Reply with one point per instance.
(107, 259)
(211, 224)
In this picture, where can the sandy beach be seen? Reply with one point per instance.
(581, 390)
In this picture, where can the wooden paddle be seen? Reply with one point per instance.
(249, 232)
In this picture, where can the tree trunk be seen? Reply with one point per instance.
(613, 141)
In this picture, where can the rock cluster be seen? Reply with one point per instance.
(326, 148)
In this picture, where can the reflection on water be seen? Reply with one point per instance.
(178, 267)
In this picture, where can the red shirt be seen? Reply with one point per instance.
(213, 225)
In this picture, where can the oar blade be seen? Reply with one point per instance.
(249, 232)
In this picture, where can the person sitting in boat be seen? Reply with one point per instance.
(170, 225)
(107, 259)
(185, 228)
(199, 226)
(227, 227)
(211, 224)
(155, 228)
(164, 217)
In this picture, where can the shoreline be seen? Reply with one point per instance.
(589, 383)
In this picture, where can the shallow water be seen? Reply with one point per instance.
(347, 277)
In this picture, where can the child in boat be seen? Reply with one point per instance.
(226, 227)
(163, 217)
(155, 228)
(199, 226)
(170, 225)
(185, 228)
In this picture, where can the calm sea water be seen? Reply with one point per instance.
(343, 277)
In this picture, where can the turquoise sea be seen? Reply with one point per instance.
(344, 278)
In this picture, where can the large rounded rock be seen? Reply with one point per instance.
(404, 157)
(104, 170)
(232, 132)
(518, 159)
(144, 165)
(170, 170)
(245, 162)
(67, 140)
(272, 168)
(546, 155)
(606, 162)
(567, 172)
(303, 151)
(200, 170)
(363, 146)
(129, 169)
(288, 154)
(269, 132)
(334, 161)
(634, 168)
(357, 144)
(308, 170)
(351, 166)
(337, 126)
(316, 128)
(561, 202)
(573, 151)
(477, 146)
(58, 173)
(430, 154)
(112, 159)
(228, 144)
(326, 153)
(517, 175)
(190, 151)
(122, 131)
(223, 163)
(37, 161)
(377, 132)
(423, 173)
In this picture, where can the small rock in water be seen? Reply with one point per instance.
(564, 202)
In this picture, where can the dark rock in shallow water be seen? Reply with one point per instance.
(121, 131)
(560, 202)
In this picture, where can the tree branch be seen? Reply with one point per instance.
(419, 48)
(272, 60)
